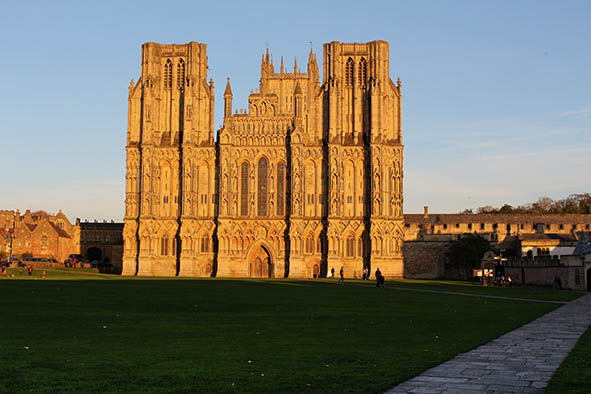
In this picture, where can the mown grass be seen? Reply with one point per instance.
(216, 335)
(574, 374)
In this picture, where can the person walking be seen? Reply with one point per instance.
(30, 269)
(342, 279)
(332, 272)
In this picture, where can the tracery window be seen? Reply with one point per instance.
(262, 189)
(359, 247)
(205, 244)
(180, 74)
(164, 246)
(281, 188)
(309, 245)
(44, 244)
(350, 247)
(244, 189)
(349, 72)
(168, 74)
(362, 72)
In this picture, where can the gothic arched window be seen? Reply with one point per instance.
(244, 189)
(262, 189)
(164, 246)
(281, 188)
(349, 72)
(180, 74)
(168, 74)
(362, 72)
(205, 244)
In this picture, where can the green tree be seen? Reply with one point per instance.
(464, 255)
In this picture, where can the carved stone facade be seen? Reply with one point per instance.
(307, 179)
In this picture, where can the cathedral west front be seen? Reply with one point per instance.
(307, 179)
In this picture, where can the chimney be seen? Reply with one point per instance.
(426, 209)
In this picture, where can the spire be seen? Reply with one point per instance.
(281, 69)
(295, 65)
(228, 91)
(267, 56)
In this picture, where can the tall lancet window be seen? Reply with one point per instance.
(362, 72)
(281, 188)
(349, 72)
(262, 189)
(168, 74)
(244, 189)
(180, 74)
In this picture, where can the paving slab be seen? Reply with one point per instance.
(520, 361)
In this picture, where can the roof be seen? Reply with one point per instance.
(547, 237)
(437, 218)
(583, 246)
(59, 231)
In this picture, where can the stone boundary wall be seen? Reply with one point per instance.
(424, 259)
(544, 276)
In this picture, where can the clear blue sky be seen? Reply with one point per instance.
(496, 94)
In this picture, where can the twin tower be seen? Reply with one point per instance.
(307, 179)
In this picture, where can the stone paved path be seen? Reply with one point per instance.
(521, 361)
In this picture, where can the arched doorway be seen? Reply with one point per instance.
(589, 279)
(260, 264)
(93, 254)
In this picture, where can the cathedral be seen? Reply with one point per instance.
(306, 180)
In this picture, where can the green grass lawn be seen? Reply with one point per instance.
(574, 374)
(222, 335)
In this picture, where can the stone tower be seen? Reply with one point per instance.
(169, 204)
(306, 179)
(363, 158)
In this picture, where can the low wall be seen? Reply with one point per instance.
(424, 259)
(544, 276)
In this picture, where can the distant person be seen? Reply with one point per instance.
(342, 279)
(4, 272)
(332, 272)
(43, 274)
(509, 281)
(379, 278)
(30, 269)
(365, 274)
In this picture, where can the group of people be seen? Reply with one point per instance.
(504, 281)
(379, 277)
(30, 270)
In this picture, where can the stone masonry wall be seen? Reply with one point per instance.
(424, 260)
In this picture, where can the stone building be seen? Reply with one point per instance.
(37, 234)
(538, 240)
(307, 179)
(101, 241)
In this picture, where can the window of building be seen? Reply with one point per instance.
(350, 249)
(262, 189)
(547, 227)
(469, 226)
(318, 245)
(180, 74)
(495, 226)
(457, 225)
(574, 226)
(359, 247)
(349, 72)
(577, 277)
(482, 226)
(281, 188)
(205, 244)
(561, 226)
(244, 189)
(309, 246)
(164, 247)
(445, 225)
(362, 72)
(521, 226)
(44, 244)
(586, 227)
(168, 74)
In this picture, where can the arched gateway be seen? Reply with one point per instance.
(260, 263)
